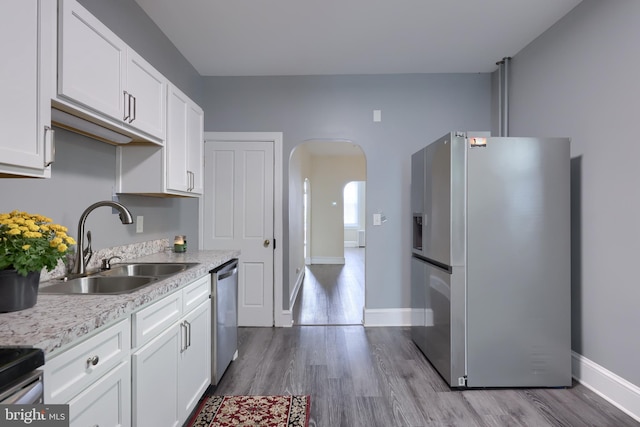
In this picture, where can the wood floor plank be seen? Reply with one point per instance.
(332, 294)
(377, 377)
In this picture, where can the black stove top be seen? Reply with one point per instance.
(18, 361)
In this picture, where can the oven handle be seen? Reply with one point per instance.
(27, 392)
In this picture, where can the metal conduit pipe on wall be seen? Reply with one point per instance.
(503, 96)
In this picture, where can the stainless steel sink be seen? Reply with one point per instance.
(147, 269)
(103, 285)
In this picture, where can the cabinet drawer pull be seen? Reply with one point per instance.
(93, 361)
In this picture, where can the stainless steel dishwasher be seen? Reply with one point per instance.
(224, 318)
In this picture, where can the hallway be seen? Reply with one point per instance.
(332, 294)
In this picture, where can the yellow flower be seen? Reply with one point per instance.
(21, 231)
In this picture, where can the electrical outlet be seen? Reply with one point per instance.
(139, 224)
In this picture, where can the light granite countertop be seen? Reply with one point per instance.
(58, 320)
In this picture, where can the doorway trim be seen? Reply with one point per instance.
(280, 317)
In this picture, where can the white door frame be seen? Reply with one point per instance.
(280, 317)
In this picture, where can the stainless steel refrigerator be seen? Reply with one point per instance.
(490, 266)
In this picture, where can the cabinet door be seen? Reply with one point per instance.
(175, 146)
(155, 380)
(26, 28)
(106, 403)
(195, 358)
(146, 96)
(195, 147)
(90, 61)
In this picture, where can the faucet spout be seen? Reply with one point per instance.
(80, 266)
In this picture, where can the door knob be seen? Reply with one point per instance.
(266, 243)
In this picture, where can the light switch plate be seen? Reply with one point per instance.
(139, 224)
(377, 219)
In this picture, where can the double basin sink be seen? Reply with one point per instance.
(120, 279)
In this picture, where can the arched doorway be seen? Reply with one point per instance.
(326, 261)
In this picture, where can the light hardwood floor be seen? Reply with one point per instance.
(332, 294)
(377, 377)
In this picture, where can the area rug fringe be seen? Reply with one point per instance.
(258, 411)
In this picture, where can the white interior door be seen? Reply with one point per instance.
(238, 214)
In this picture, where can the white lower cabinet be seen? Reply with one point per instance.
(172, 370)
(103, 403)
(94, 378)
(147, 370)
(194, 369)
(155, 380)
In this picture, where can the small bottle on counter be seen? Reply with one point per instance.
(179, 244)
(184, 240)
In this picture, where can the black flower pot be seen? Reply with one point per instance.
(18, 292)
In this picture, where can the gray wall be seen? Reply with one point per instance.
(580, 79)
(84, 171)
(416, 109)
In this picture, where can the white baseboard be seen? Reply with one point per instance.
(387, 317)
(296, 289)
(327, 260)
(611, 387)
(285, 320)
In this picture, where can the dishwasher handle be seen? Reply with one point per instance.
(226, 270)
(228, 273)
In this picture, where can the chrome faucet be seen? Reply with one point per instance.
(83, 255)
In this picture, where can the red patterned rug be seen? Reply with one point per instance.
(253, 411)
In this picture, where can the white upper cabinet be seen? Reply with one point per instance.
(146, 93)
(185, 142)
(175, 169)
(27, 28)
(99, 72)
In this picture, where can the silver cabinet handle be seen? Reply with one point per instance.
(92, 361)
(135, 102)
(191, 180)
(183, 337)
(131, 98)
(127, 106)
(188, 325)
(49, 150)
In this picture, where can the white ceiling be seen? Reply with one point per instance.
(311, 37)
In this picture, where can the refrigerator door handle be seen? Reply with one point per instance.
(441, 266)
